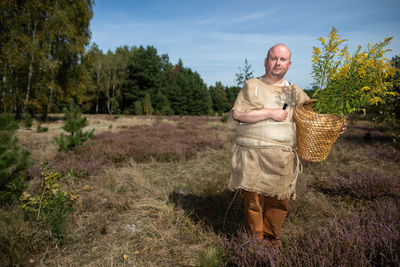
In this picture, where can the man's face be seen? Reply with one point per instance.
(277, 62)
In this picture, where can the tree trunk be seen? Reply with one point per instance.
(17, 107)
(112, 97)
(28, 87)
(108, 96)
(97, 102)
(98, 73)
(4, 80)
(46, 111)
(50, 97)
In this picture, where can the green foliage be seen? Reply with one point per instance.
(161, 104)
(195, 99)
(387, 113)
(50, 205)
(13, 161)
(224, 118)
(220, 102)
(147, 107)
(144, 72)
(138, 107)
(211, 257)
(41, 47)
(244, 74)
(231, 93)
(41, 129)
(28, 119)
(74, 124)
(115, 108)
(44, 63)
(311, 92)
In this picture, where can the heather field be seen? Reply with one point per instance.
(151, 191)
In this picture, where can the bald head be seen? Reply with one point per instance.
(282, 48)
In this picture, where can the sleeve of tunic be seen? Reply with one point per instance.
(301, 96)
(247, 99)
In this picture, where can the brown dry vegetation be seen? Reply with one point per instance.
(171, 210)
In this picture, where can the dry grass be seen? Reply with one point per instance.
(170, 213)
(125, 209)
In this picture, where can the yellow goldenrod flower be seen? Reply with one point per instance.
(363, 73)
(317, 51)
(344, 51)
(375, 100)
(393, 93)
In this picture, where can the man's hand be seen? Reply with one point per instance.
(344, 126)
(279, 114)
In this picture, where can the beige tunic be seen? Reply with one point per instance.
(263, 154)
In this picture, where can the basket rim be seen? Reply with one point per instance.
(303, 107)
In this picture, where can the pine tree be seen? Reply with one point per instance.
(244, 74)
(144, 70)
(74, 124)
(161, 104)
(13, 161)
(220, 102)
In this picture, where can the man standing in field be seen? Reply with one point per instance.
(263, 161)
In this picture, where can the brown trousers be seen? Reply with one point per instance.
(264, 215)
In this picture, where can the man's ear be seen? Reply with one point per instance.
(265, 62)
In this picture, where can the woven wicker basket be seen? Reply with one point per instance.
(316, 133)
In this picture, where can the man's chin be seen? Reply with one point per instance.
(278, 75)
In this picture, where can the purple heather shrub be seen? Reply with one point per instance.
(367, 184)
(245, 250)
(370, 237)
(384, 154)
(162, 142)
(199, 120)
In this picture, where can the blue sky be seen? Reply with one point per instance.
(215, 37)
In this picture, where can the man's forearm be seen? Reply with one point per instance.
(260, 115)
(252, 116)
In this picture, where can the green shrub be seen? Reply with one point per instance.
(74, 123)
(224, 118)
(50, 205)
(211, 257)
(387, 113)
(115, 108)
(138, 107)
(41, 129)
(28, 119)
(13, 161)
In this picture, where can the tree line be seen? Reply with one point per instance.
(46, 62)
(137, 80)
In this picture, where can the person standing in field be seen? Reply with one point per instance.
(265, 165)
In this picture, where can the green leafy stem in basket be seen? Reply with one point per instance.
(347, 83)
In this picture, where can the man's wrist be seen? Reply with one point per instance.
(267, 113)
